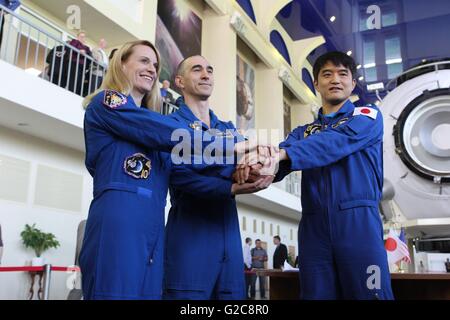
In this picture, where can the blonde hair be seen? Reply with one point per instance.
(116, 79)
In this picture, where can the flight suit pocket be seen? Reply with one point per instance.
(345, 205)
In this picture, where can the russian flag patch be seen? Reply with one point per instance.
(366, 111)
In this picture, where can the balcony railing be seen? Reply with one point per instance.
(27, 46)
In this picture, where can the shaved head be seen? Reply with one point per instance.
(184, 65)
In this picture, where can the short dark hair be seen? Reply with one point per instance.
(277, 237)
(247, 240)
(337, 58)
(181, 66)
(257, 240)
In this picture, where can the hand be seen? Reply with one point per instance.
(267, 164)
(251, 187)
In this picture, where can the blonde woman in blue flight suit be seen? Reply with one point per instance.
(122, 253)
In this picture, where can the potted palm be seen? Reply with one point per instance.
(38, 241)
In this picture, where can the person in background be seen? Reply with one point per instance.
(11, 5)
(99, 69)
(247, 265)
(280, 255)
(79, 64)
(166, 95)
(259, 257)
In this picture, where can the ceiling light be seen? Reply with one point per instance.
(370, 65)
(392, 61)
(361, 78)
(349, 52)
(332, 18)
(358, 66)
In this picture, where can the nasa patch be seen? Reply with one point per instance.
(138, 166)
(113, 99)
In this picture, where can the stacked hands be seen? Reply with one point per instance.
(256, 166)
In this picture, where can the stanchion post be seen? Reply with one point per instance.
(47, 276)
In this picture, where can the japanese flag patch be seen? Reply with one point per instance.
(114, 99)
(366, 111)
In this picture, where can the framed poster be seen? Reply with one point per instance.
(178, 35)
(245, 97)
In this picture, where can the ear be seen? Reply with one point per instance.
(354, 84)
(316, 85)
(179, 82)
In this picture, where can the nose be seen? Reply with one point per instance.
(335, 79)
(205, 75)
(151, 69)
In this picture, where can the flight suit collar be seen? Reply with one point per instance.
(130, 99)
(185, 112)
(347, 107)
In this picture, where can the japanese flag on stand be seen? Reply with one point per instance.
(397, 250)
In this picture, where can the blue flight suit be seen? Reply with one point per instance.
(340, 235)
(204, 258)
(122, 253)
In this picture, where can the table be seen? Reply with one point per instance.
(405, 286)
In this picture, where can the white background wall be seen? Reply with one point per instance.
(62, 223)
(286, 225)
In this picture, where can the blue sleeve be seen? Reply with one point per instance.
(333, 144)
(285, 166)
(228, 167)
(187, 180)
(145, 127)
(227, 171)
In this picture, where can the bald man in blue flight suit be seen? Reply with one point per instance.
(203, 257)
(340, 235)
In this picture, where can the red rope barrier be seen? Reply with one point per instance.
(40, 268)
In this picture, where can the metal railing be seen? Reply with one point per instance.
(27, 46)
(293, 182)
(168, 108)
(417, 71)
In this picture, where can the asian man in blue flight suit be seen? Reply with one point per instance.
(122, 252)
(203, 257)
(341, 157)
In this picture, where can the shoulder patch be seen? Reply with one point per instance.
(312, 129)
(366, 111)
(113, 99)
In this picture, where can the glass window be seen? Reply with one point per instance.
(392, 48)
(394, 70)
(389, 19)
(370, 74)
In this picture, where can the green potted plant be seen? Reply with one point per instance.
(38, 241)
